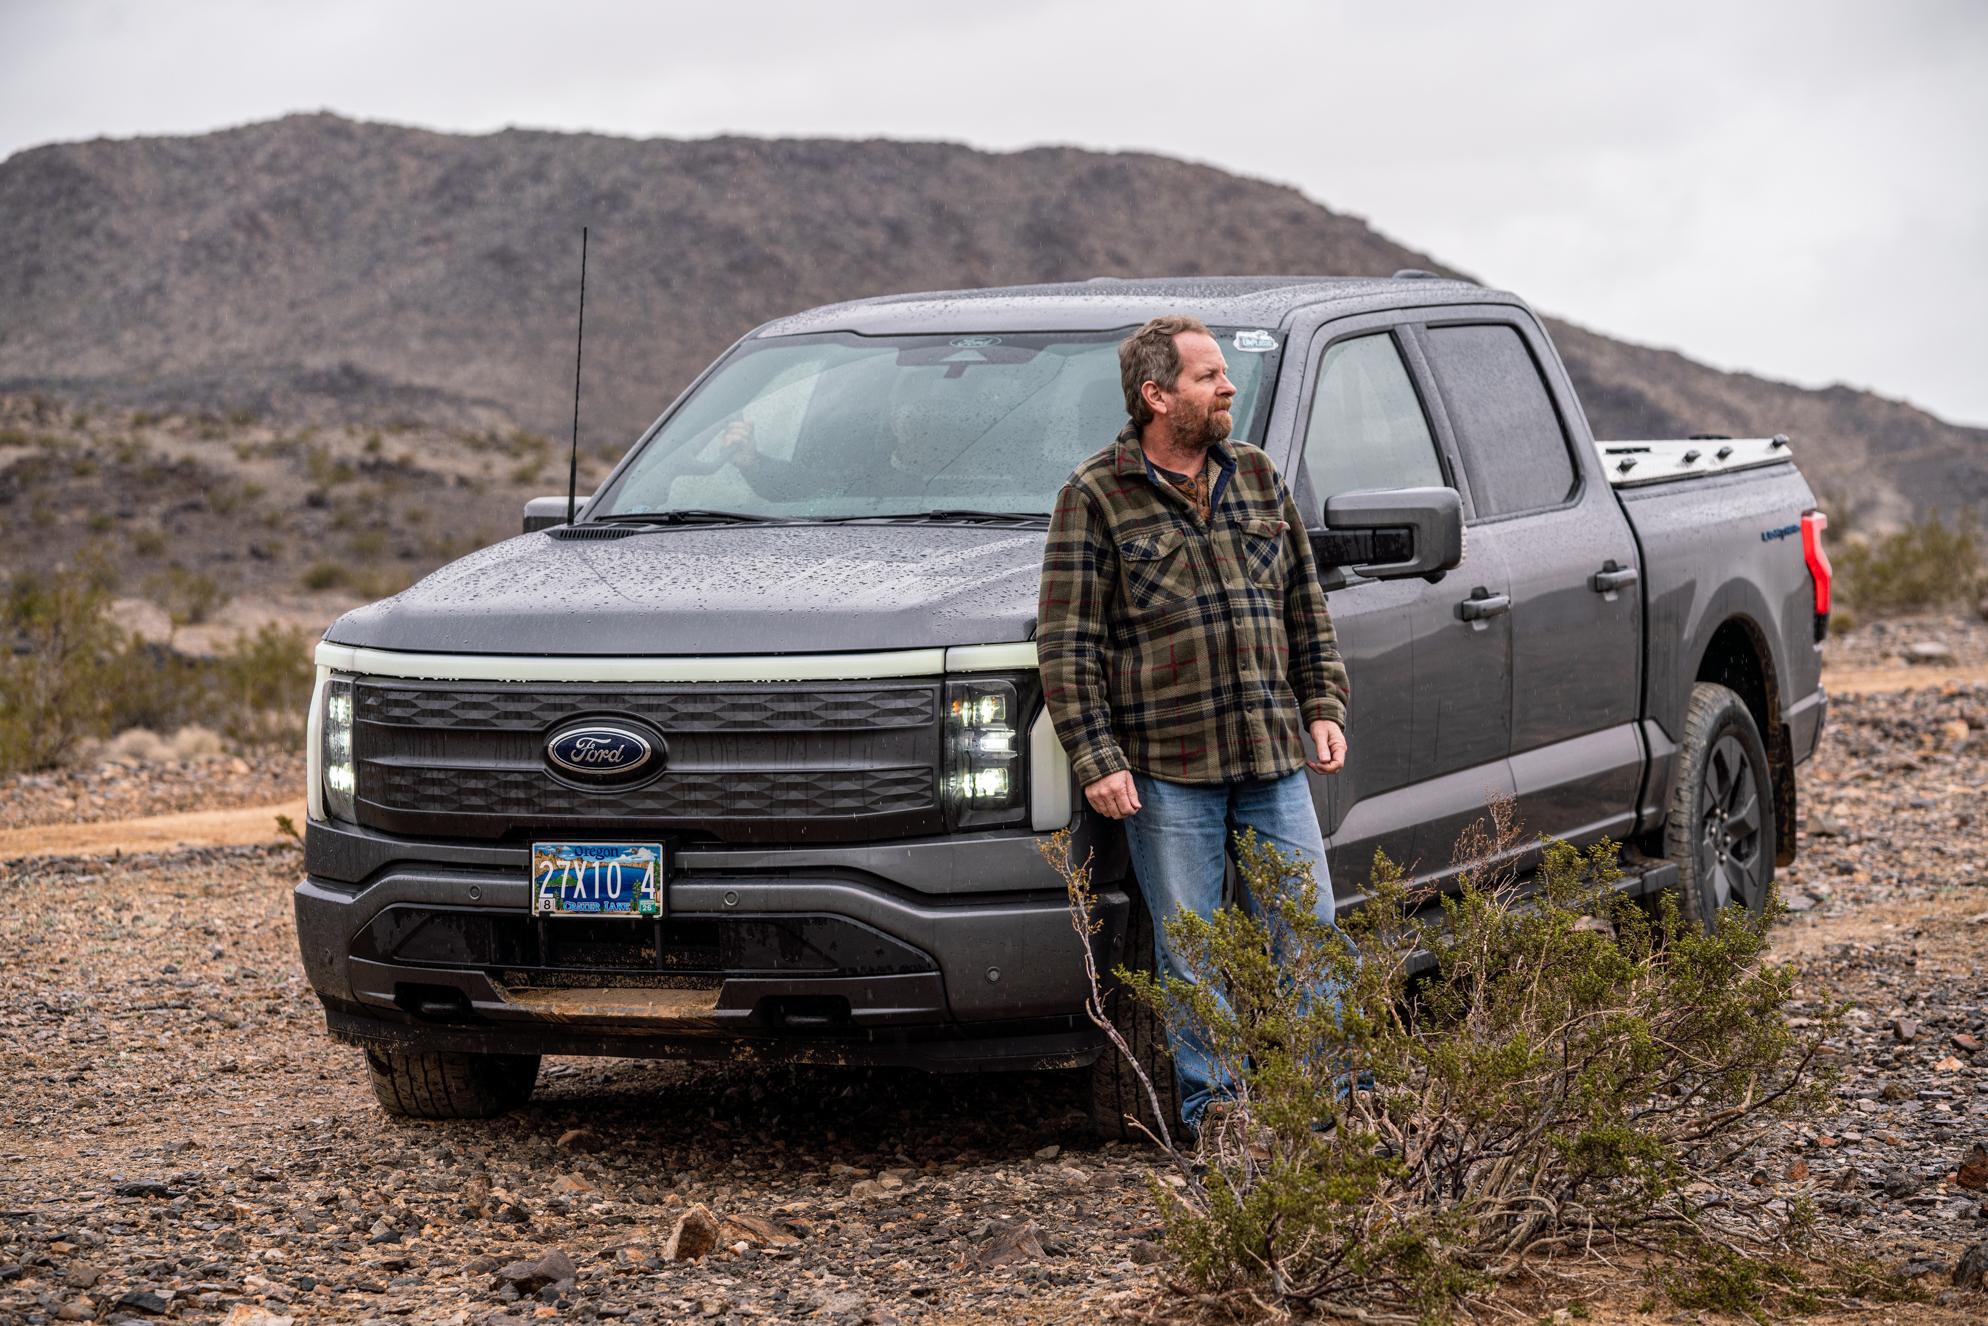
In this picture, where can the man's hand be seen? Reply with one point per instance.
(1114, 795)
(735, 444)
(1331, 743)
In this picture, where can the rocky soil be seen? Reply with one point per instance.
(181, 1141)
(102, 790)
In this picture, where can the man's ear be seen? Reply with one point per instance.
(1155, 397)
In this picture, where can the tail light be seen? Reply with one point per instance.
(1813, 524)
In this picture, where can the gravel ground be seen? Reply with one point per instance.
(1917, 641)
(181, 1139)
(97, 791)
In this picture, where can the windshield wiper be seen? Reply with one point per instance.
(693, 515)
(954, 516)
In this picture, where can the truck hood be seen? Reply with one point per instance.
(750, 589)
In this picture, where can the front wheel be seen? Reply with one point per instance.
(1120, 1108)
(1720, 829)
(419, 1084)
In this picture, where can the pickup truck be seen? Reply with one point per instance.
(750, 758)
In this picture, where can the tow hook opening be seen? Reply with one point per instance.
(805, 1012)
(432, 1003)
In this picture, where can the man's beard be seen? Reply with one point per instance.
(1199, 431)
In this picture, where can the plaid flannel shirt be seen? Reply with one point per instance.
(1188, 651)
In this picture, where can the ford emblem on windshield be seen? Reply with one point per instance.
(603, 753)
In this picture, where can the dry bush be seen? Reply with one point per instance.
(1494, 1081)
(1925, 566)
(68, 672)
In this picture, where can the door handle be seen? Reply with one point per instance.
(1483, 603)
(1612, 577)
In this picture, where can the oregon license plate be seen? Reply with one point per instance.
(597, 879)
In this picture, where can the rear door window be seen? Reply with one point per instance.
(1367, 429)
(1514, 449)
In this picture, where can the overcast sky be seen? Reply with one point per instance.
(1790, 188)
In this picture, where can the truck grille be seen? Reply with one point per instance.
(775, 761)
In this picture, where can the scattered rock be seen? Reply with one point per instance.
(756, 1230)
(145, 1301)
(1973, 1171)
(1927, 651)
(144, 1188)
(1967, 1042)
(1008, 1244)
(1049, 1152)
(695, 1234)
(77, 1309)
(570, 1184)
(248, 1314)
(1905, 1030)
(1794, 900)
(528, 1277)
(1972, 1270)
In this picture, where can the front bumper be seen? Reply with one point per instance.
(947, 953)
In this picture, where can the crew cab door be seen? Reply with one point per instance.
(1428, 731)
(1542, 505)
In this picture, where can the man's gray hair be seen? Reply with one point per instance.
(1150, 355)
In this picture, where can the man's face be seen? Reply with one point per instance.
(1199, 406)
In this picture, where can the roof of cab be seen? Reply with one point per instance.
(1106, 303)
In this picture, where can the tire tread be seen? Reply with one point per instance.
(427, 1084)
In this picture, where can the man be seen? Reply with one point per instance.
(1185, 642)
(923, 441)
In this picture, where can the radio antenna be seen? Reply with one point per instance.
(580, 345)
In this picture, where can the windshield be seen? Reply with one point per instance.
(846, 426)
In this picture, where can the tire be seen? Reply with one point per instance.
(1720, 829)
(1117, 1096)
(418, 1084)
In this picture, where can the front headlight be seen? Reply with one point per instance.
(341, 775)
(984, 782)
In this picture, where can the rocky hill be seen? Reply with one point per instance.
(314, 269)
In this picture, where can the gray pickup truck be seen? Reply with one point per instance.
(751, 757)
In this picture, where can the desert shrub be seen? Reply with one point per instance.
(326, 575)
(1927, 565)
(60, 657)
(69, 673)
(1503, 1075)
(262, 686)
(380, 582)
(326, 470)
(189, 597)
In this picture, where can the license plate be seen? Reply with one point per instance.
(597, 879)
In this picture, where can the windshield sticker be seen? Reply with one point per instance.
(1253, 341)
(973, 342)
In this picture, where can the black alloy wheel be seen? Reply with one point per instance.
(1720, 829)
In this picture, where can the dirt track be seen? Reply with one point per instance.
(181, 1137)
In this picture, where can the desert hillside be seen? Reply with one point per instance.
(317, 270)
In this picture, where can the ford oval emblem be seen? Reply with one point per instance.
(601, 752)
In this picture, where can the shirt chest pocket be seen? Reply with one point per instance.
(1264, 550)
(1155, 568)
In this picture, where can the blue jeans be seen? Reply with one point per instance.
(1179, 841)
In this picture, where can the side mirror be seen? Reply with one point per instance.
(545, 512)
(1394, 533)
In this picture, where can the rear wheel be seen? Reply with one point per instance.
(418, 1084)
(1721, 825)
(1117, 1096)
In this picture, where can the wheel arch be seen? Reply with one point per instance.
(1739, 658)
